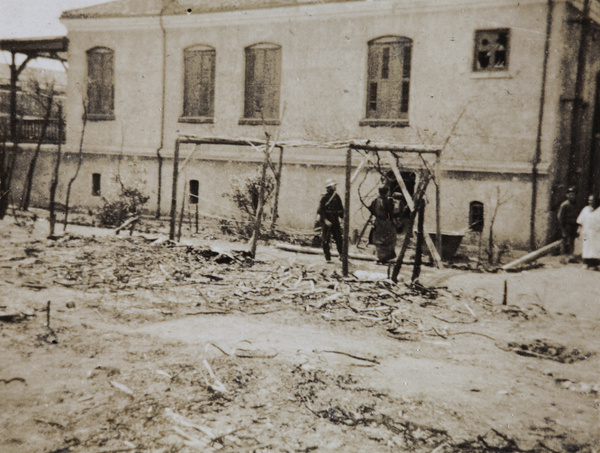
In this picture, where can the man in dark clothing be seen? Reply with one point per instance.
(329, 214)
(567, 219)
(384, 230)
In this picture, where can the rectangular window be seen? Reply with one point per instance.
(262, 84)
(388, 74)
(199, 84)
(194, 191)
(100, 84)
(96, 184)
(491, 50)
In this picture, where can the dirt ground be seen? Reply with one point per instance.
(161, 347)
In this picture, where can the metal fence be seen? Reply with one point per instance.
(30, 130)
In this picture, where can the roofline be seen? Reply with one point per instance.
(35, 45)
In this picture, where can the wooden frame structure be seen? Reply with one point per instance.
(391, 150)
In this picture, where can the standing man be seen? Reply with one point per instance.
(330, 211)
(384, 231)
(589, 219)
(567, 219)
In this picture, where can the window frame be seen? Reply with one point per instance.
(392, 75)
(194, 192)
(96, 184)
(476, 216)
(269, 79)
(491, 68)
(187, 115)
(99, 106)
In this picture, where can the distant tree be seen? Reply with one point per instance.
(44, 95)
(79, 161)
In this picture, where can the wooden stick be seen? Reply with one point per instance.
(411, 205)
(174, 192)
(346, 243)
(533, 255)
(126, 224)
(419, 246)
(181, 212)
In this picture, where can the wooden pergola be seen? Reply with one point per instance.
(390, 151)
(54, 48)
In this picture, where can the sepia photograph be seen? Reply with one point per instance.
(296, 226)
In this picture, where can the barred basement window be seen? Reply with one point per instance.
(194, 191)
(262, 86)
(476, 216)
(199, 84)
(96, 184)
(100, 84)
(491, 50)
(388, 81)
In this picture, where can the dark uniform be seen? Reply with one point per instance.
(330, 211)
(567, 219)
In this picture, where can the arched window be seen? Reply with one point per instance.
(388, 80)
(476, 216)
(100, 84)
(199, 83)
(262, 85)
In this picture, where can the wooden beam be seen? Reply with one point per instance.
(533, 255)
(174, 191)
(411, 205)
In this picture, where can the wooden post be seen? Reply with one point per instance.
(181, 213)
(419, 193)
(420, 208)
(197, 201)
(505, 297)
(174, 192)
(277, 187)
(48, 315)
(438, 207)
(55, 175)
(346, 245)
(261, 202)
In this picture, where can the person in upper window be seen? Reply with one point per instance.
(330, 211)
(567, 220)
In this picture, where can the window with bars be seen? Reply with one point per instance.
(262, 84)
(491, 50)
(100, 84)
(199, 84)
(388, 81)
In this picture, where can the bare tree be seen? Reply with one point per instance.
(501, 199)
(79, 162)
(45, 98)
(54, 183)
(8, 155)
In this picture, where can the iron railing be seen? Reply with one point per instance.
(30, 130)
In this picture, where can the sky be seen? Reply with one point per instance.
(36, 19)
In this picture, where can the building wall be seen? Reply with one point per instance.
(488, 122)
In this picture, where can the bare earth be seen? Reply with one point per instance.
(162, 348)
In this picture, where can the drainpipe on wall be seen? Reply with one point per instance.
(572, 177)
(162, 111)
(538, 140)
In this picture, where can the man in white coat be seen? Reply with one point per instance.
(589, 222)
